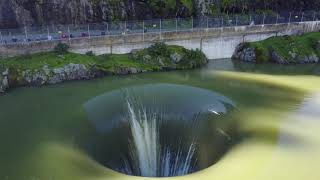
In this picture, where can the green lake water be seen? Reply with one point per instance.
(44, 131)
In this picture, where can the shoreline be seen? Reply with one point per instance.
(53, 68)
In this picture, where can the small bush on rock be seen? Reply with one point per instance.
(260, 54)
(61, 48)
(159, 49)
(193, 58)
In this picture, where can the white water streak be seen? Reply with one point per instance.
(151, 160)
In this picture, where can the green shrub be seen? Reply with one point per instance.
(313, 42)
(61, 48)
(193, 58)
(261, 56)
(159, 49)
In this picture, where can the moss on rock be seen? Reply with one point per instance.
(170, 57)
(50, 68)
(284, 49)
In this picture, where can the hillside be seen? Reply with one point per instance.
(15, 13)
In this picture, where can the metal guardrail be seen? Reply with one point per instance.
(67, 32)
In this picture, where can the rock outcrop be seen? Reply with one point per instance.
(41, 71)
(48, 75)
(15, 13)
(246, 53)
(276, 58)
(175, 57)
(4, 82)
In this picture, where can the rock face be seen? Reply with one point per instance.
(248, 54)
(244, 53)
(276, 58)
(48, 75)
(14, 13)
(56, 75)
(175, 57)
(4, 82)
(309, 59)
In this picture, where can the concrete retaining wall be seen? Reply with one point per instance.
(216, 43)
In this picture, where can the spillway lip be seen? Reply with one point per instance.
(186, 101)
(158, 129)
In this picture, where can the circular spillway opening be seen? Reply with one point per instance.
(160, 130)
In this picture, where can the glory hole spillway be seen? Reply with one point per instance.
(160, 130)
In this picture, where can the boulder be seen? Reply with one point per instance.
(146, 58)
(6, 72)
(309, 59)
(70, 72)
(314, 58)
(244, 53)
(46, 70)
(249, 55)
(4, 81)
(293, 55)
(276, 58)
(133, 70)
(160, 61)
(4, 84)
(34, 78)
(238, 51)
(175, 58)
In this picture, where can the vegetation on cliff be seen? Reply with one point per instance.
(61, 65)
(31, 12)
(283, 50)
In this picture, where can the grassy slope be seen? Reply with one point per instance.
(300, 45)
(37, 61)
(110, 63)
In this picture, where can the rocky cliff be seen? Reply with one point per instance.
(14, 13)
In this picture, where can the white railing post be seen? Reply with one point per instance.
(277, 19)
(176, 25)
(69, 34)
(143, 31)
(125, 27)
(26, 33)
(10, 35)
(236, 20)
(290, 18)
(264, 18)
(314, 16)
(89, 31)
(1, 38)
(107, 28)
(192, 23)
(160, 29)
(222, 24)
(48, 33)
(207, 22)
(302, 16)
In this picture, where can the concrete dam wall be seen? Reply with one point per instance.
(216, 43)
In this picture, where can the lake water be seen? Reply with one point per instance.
(265, 123)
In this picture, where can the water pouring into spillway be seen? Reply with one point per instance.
(160, 130)
(153, 159)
